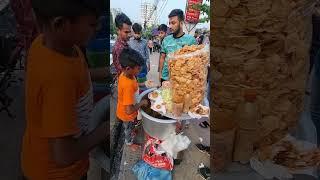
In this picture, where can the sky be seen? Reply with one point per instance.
(132, 10)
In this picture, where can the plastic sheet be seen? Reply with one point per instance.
(154, 156)
(174, 144)
(268, 169)
(144, 171)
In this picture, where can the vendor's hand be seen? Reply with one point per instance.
(160, 78)
(144, 103)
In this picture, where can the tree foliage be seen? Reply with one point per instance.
(147, 33)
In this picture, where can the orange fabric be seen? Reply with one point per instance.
(126, 96)
(54, 86)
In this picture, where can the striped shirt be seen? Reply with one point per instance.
(141, 46)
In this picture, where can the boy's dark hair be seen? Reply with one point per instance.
(122, 19)
(46, 10)
(163, 28)
(130, 58)
(137, 28)
(177, 12)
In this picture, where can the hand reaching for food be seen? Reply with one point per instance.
(144, 103)
(150, 84)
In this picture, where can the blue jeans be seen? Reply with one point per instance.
(315, 97)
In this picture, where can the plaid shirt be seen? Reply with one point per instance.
(142, 47)
(26, 23)
(117, 49)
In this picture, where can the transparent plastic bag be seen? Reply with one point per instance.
(188, 69)
(306, 129)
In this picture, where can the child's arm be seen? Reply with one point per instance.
(59, 123)
(130, 109)
(161, 63)
(68, 150)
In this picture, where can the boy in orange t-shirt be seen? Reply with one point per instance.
(127, 108)
(59, 98)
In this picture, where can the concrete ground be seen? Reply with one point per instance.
(191, 157)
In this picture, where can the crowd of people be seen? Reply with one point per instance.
(131, 64)
(59, 104)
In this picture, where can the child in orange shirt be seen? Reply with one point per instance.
(127, 108)
(59, 98)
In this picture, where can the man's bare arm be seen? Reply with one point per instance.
(68, 150)
(161, 62)
(134, 108)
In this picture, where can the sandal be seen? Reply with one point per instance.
(204, 124)
(204, 172)
(202, 148)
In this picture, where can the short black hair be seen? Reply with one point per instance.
(137, 28)
(163, 28)
(122, 19)
(130, 58)
(46, 10)
(177, 12)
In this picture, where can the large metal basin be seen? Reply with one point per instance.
(155, 127)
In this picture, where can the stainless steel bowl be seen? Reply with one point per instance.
(158, 128)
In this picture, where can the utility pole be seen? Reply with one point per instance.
(145, 15)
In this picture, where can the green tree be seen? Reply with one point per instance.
(147, 33)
